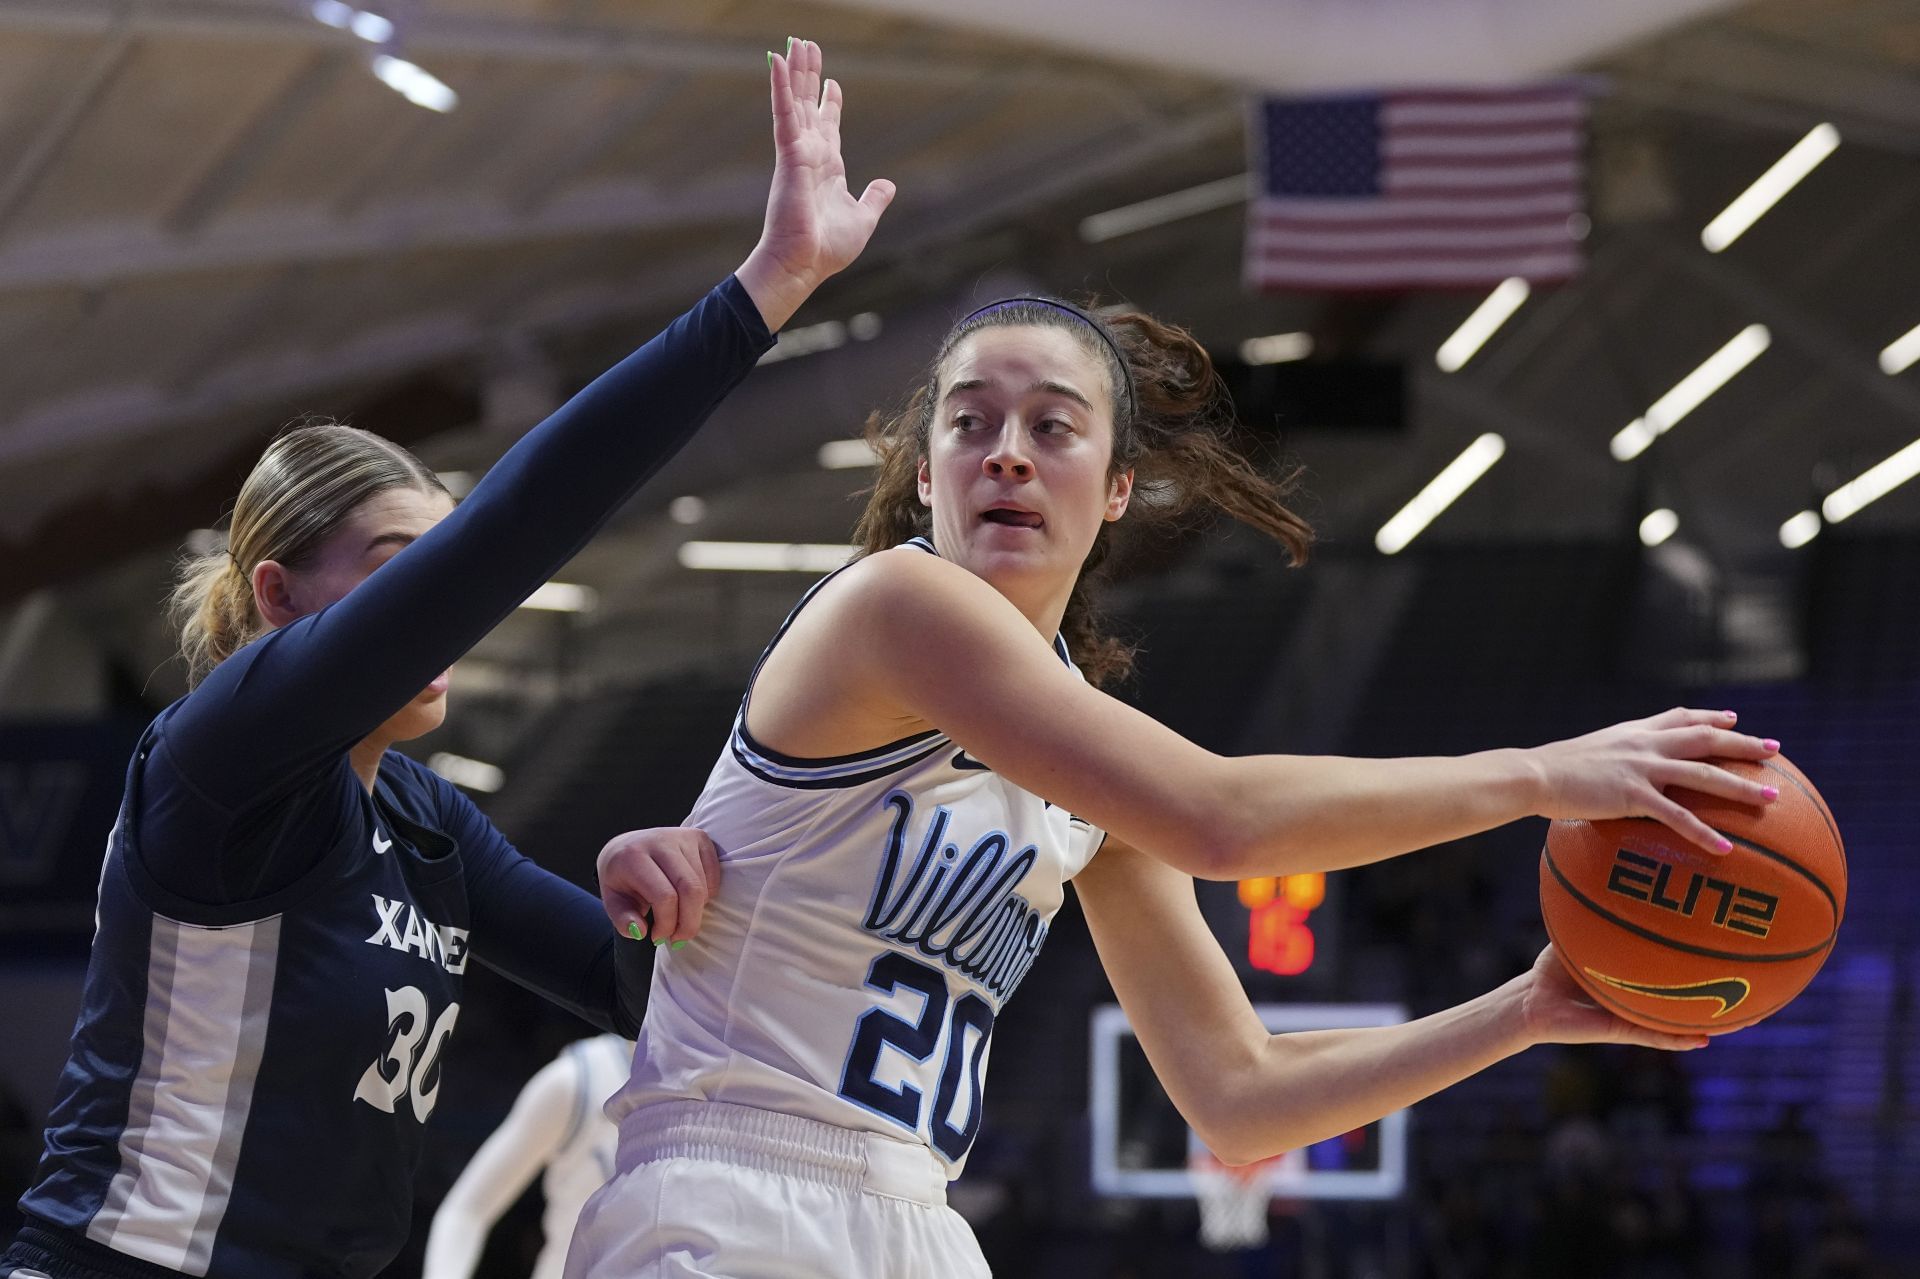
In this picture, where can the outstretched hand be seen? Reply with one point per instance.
(1557, 1010)
(1625, 770)
(814, 225)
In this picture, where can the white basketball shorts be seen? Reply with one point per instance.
(731, 1192)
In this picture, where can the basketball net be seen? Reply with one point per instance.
(1234, 1202)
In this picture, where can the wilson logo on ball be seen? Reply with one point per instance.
(1645, 879)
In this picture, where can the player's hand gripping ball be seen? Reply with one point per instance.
(1678, 939)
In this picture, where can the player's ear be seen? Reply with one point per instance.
(273, 593)
(1119, 493)
(925, 484)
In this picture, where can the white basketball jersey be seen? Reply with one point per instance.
(584, 1161)
(874, 913)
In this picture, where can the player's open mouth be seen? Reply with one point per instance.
(1012, 517)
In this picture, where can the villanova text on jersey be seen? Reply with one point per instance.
(978, 926)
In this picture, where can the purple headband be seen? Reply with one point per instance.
(1067, 308)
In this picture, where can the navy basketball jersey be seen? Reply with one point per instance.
(875, 912)
(247, 1088)
(279, 955)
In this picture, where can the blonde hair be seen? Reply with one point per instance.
(303, 487)
(1173, 426)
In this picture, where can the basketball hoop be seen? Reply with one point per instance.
(1234, 1202)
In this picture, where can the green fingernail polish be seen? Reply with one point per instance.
(769, 59)
(679, 945)
(789, 46)
(633, 930)
(659, 941)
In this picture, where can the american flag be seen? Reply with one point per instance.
(1418, 189)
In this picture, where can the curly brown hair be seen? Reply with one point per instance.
(1174, 427)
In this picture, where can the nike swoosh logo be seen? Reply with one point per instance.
(962, 760)
(1731, 992)
(380, 845)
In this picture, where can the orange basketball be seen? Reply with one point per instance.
(1678, 939)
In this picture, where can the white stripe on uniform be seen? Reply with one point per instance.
(209, 991)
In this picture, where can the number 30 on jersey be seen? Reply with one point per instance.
(403, 1069)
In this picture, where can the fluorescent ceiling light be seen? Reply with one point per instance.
(1481, 325)
(1800, 530)
(1901, 353)
(333, 13)
(687, 509)
(1658, 526)
(1872, 484)
(847, 455)
(1767, 189)
(765, 557)
(1691, 391)
(1277, 348)
(1439, 494)
(471, 773)
(562, 597)
(458, 483)
(808, 339)
(371, 27)
(416, 84)
(1129, 218)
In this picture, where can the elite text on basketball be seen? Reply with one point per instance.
(1645, 879)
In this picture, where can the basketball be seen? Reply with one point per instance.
(1674, 938)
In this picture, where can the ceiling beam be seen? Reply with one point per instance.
(250, 315)
(89, 259)
(429, 33)
(1756, 74)
(1548, 315)
(566, 151)
(1546, 441)
(1786, 120)
(1063, 171)
(1838, 357)
(130, 411)
(104, 527)
(1314, 45)
(51, 138)
(258, 138)
(896, 145)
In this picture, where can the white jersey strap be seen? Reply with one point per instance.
(835, 771)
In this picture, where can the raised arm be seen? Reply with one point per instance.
(1250, 1094)
(310, 689)
(905, 640)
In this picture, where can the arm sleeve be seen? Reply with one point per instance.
(295, 699)
(523, 1144)
(543, 932)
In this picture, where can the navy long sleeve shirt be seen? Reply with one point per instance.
(279, 958)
